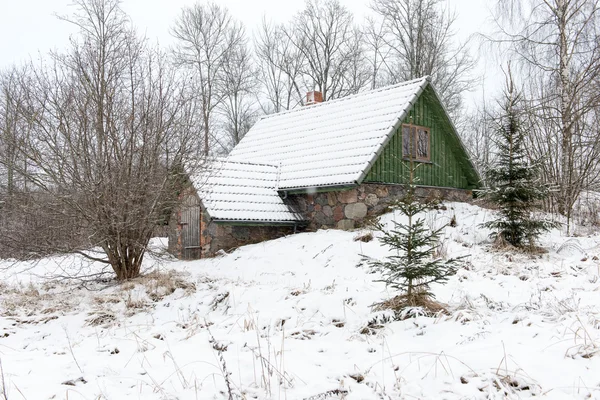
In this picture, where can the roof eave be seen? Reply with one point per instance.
(258, 222)
(317, 189)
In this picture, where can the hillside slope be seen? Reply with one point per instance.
(291, 319)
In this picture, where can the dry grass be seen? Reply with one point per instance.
(500, 244)
(402, 304)
(364, 237)
(23, 301)
(159, 285)
(101, 318)
(137, 295)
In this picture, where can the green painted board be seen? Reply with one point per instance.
(449, 166)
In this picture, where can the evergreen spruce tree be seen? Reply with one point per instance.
(413, 266)
(513, 181)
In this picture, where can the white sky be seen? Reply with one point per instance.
(29, 27)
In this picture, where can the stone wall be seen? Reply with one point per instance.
(350, 208)
(345, 210)
(215, 237)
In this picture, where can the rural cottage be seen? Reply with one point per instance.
(325, 165)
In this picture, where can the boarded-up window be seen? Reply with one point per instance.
(416, 143)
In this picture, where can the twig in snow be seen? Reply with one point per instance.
(223, 364)
(71, 350)
(3, 382)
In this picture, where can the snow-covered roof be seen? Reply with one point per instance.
(242, 191)
(329, 144)
(332, 143)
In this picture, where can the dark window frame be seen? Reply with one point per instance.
(414, 130)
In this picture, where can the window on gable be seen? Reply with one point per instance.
(416, 143)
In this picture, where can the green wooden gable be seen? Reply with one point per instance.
(449, 164)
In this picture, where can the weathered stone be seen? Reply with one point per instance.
(380, 208)
(321, 200)
(338, 213)
(241, 232)
(321, 219)
(222, 230)
(382, 191)
(341, 210)
(370, 188)
(371, 199)
(355, 211)
(331, 199)
(299, 202)
(345, 224)
(348, 196)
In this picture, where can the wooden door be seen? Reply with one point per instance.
(191, 213)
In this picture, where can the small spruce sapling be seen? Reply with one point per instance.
(513, 181)
(413, 266)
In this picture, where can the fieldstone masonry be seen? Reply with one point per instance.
(215, 237)
(344, 210)
(349, 208)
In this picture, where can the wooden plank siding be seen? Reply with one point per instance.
(449, 165)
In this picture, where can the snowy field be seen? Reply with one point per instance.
(291, 319)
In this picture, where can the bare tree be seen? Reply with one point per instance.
(422, 42)
(206, 34)
(108, 143)
(13, 128)
(280, 64)
(477, 135)
(239, 84)
(331, 45)
(377, 52)
(559, 50)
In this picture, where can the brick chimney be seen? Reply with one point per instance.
(314, 97)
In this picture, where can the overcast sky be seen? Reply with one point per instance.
(29, 27)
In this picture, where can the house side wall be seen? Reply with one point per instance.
(446, 168)
(217, 236)
(352, 208)
(344, 210)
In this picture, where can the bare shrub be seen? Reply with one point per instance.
(109, 138)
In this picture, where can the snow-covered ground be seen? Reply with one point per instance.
(291, 319)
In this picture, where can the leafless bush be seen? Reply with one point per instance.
(109, 137)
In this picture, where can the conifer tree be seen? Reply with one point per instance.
(513, 181)
(413, 266)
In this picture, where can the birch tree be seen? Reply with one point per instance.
(559, 50)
